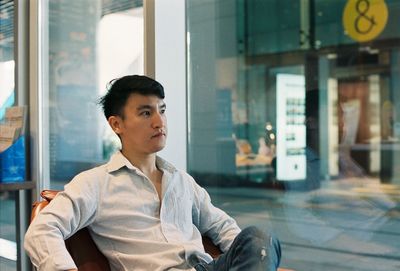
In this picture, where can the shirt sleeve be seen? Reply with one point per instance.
(212, 221)
(72, 209)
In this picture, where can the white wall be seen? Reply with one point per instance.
(170, 71)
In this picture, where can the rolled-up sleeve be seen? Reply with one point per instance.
(69, 211)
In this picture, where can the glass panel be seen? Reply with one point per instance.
(85, 52)
(8, 251)
(7, 95)
(278, 33)
(294, 124)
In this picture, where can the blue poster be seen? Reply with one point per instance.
(13, 162)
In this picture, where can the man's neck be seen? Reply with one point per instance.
(145, 162)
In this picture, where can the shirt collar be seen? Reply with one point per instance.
(118, 161)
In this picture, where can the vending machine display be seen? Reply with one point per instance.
(291, 129)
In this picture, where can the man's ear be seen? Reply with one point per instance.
(115, 123)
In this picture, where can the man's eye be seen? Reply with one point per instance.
(162, 111)
(145, 113)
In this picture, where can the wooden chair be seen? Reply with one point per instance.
(84, 251)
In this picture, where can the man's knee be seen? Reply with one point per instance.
(262, 243)
(254, 236)
(254, 232)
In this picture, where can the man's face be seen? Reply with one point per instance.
(143, 130)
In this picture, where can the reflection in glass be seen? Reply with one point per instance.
(8, 250)
(7, 63)
(345, 208)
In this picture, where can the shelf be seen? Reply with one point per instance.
(17, 186)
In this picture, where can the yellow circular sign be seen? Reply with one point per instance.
(364, 20)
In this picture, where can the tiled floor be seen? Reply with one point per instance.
(346, 225)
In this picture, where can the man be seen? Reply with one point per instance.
(143, 213)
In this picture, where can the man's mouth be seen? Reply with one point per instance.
(159, 134)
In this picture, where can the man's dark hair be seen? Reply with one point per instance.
(120, 89)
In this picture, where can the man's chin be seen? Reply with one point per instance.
(159, 148)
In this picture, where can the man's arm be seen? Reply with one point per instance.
(212, 221)
(68, 212)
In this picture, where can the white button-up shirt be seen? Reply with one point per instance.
(122, 210)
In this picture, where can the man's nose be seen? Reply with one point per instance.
(158, 120)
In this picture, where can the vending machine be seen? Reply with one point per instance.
(291, 128)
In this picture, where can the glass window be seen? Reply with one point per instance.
(89, 43)
(294, 124)
(8, 251)
(7, 95)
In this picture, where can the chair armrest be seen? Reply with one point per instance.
(49, 194)
(210, 248)
(38, 206)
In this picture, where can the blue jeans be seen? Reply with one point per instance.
(252, 250)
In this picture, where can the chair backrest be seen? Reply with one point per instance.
(82, 248)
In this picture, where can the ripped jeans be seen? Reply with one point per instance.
(252, 250)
